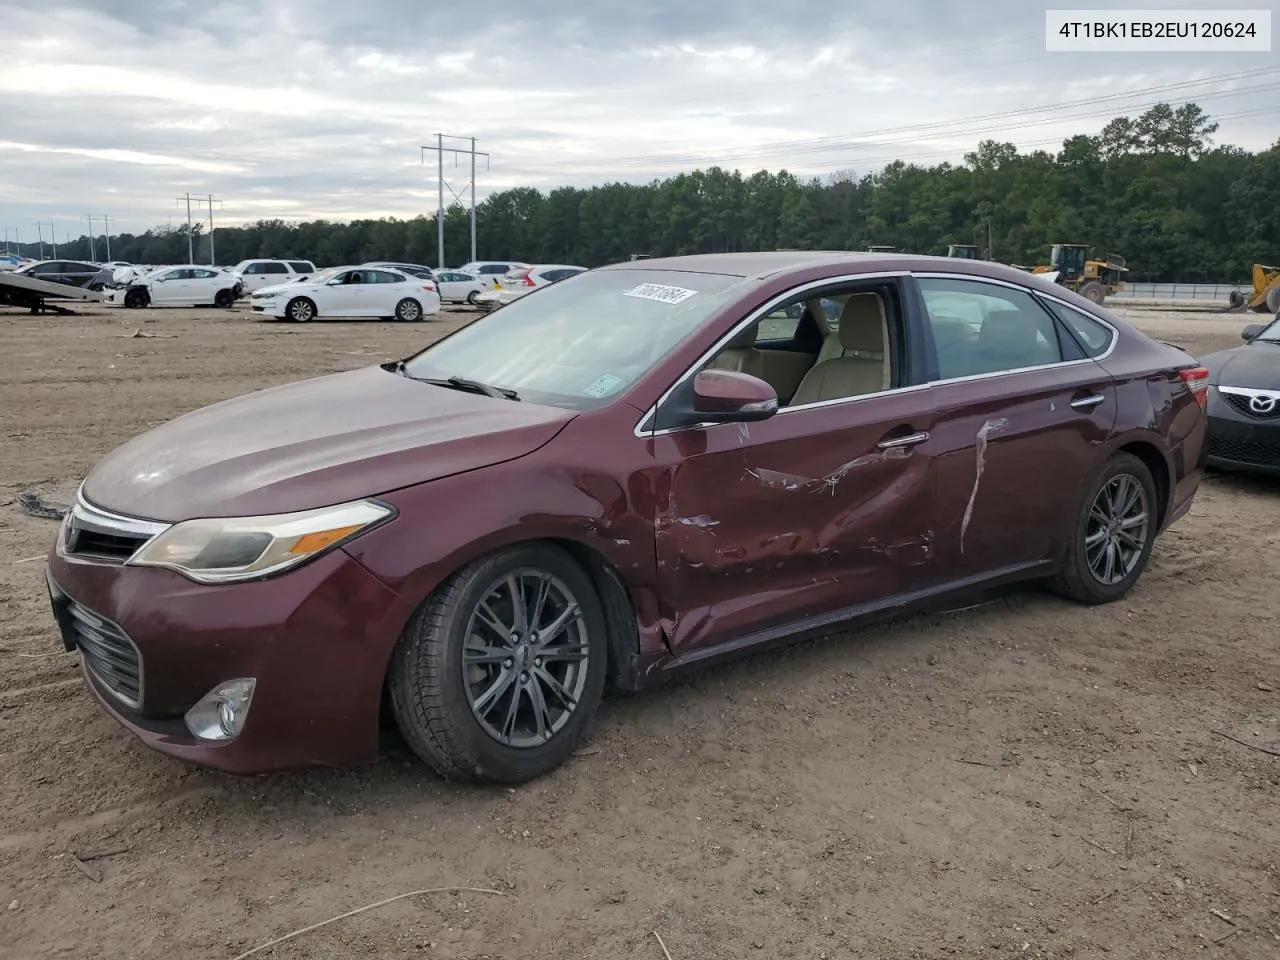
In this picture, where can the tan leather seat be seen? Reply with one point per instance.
(741, 354)
(857, 362)
(1010, 339)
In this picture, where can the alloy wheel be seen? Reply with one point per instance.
(525, 658)
(1117, 531)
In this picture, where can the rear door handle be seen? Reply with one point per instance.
(912, 440)
(1089, 402)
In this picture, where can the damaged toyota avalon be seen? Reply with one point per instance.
(638, 470)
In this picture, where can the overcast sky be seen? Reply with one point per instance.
(301, 110)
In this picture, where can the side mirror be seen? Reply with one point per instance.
(1252, 330)
(727, 396)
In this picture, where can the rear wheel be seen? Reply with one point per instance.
(408, 310)
(1114, 534)
(300, 310)
(471, 297)
(499, 674)
(1093, 292)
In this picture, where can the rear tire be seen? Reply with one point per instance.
(455, 713)
(1093, 292)
(471, 297)
(1117, 525)
(300, 310)
(409, 310)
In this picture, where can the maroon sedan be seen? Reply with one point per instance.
(643, 468)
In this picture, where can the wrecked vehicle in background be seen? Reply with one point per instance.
(645, 468)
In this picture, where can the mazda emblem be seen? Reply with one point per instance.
(1262, 403)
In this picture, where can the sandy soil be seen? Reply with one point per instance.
(1026, 778)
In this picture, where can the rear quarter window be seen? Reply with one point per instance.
(1095, 338)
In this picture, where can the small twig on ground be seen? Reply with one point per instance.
(1128, 844)
(86, 869)
(1114, 803)
(976, 763)
(102, 854)
(37, 656)
(1245, 743)
(1222, 916)
(1094, 843)
(665, 952)
(28, 560)
(586, 752)
(1057, 863)
(1106, 896)
(371, 906)
(1228, 935)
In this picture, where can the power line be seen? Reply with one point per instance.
(842, 140)
(209, 199)
(441, 150)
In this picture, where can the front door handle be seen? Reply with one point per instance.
(1089, 402)
(912, 440)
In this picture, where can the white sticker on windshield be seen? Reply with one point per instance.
(656, 291)
(603, 386)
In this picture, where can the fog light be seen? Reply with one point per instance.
(220, 713)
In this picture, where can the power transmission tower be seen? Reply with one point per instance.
(93, 250)
(210, 200)
(106, 234)
(441, 150)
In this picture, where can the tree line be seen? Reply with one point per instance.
(1153, 189)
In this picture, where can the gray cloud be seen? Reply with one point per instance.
(318, 109)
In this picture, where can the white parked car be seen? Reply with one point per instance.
(521, 280)
(187, 286)
(491, 271)
(256, 274)
(350, 292)
(458, 287)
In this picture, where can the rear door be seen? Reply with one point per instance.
(1021, 411)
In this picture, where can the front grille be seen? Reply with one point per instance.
(1244, 451)
(95, 534)
(1241, 404)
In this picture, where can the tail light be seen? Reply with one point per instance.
(429, 286)
(1197, 381)
(529, 281)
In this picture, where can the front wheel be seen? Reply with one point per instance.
(499, 674)
(408, 310)
(1113, 536)
(1273, 298)
(300, 310)
(136, 299)
(224, 299)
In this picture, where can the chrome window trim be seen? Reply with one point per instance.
(764, 311)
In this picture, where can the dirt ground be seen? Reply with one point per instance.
(1025, 778)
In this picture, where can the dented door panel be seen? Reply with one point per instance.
(1004, 445)
(804, 513)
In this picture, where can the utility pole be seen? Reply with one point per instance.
(93, 250)
(209, 199)
(191, 250)
(40, 238)
(441, 150)
(106, 234)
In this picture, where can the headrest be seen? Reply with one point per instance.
(744, 339)
(862, 325)
(1008, 332)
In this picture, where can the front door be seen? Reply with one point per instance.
(824, 507)
(1020, 414)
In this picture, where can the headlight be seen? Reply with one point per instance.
(226, 549)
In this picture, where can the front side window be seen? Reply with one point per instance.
(274, 268)
(578, 344)
(981, 328)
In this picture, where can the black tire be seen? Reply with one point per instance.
(1077, 580)
(224, 298)
(1273, 298)
(430, 694)
(300, 310)
(471, 297)
(1093, 292)
(136, 298)
(409, 310)
(1235, 300)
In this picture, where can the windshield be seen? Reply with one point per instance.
(580, 342)
(1272, 333)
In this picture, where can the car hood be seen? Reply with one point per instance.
(278, 287)
(310, 444)
(1255, 365)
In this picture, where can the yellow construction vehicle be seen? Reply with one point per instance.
(1265, 297)
(1095, 280)
(965, 251)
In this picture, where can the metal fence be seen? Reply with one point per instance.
(1180, 291)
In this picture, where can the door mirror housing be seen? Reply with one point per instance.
(1252, 330)
(727, 396)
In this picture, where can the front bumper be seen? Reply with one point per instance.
(1238, 441)
(316, 639)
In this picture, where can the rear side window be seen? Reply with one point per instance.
(1093, 336)
(494, 268)
(274, 268)
(301, 267)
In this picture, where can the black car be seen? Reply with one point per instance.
(74, 272)
(413, 269)
(1244, 402)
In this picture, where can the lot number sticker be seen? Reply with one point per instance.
(663, 294)
(603, 386)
